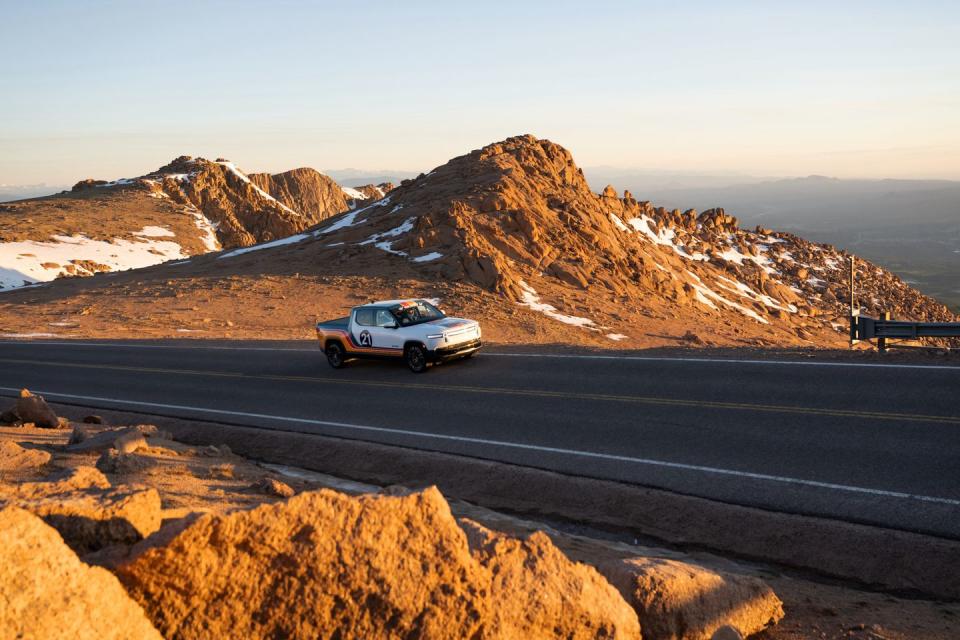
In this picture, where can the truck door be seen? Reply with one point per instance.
(385, 333)
(363, 327)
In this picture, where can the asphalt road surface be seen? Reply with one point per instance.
(877, 444)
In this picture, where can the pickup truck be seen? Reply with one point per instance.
(414, 330)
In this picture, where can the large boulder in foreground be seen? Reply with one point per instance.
(534, 583)
(685, 601)
(324, 564)
(86, 511)
(47, 592)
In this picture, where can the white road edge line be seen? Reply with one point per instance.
(865, 365)
(516, 445)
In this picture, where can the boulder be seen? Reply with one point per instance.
(273, 487)
(685, 601)
(84, 439)
(33, 408)
(119, 463)
(13, 457)
(87, 512)
(323, 564)
(130, 442)
(540, 593)
(47, 592)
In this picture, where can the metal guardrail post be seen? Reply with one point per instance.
(854, 312)
(882, 341)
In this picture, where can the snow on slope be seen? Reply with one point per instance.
(31, 261)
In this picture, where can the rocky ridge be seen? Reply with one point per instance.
(517, 218)
(188, 207)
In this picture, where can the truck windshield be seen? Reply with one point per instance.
(415, 312)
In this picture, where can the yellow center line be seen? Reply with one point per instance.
(533, 393)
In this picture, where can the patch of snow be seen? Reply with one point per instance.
(703, 299)
(350, 219)
(22, 262)
(745, 291)
(617, 221)
(353, 193)
(732, 254)
(707, 292)
(397, 208)
(665, 237)
(299, 237)
(388, 247)
(406, 226)
(617, 337)
(428, 257)
(832, 263)
(29, 335)
(532, 300)
(155, 232)
(336, 244)
(209, 230)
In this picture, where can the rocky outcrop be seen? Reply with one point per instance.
(684, 601)
(381, 566)
(86, 511)
(47, 592)
(315, 195)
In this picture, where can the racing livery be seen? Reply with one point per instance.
(414, 330)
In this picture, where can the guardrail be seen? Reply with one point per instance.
(883, 329)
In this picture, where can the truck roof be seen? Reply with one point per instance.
(388, 303)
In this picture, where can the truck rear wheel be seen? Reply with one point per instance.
(336, 357)
(416, 358)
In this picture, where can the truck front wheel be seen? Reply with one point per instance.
(416, 358)
(335, 355)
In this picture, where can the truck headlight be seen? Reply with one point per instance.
(435, 336)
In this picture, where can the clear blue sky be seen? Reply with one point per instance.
(111, 89)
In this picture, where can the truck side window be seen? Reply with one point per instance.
(385, 318)
(364, 317)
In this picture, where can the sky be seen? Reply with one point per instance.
(115, 89)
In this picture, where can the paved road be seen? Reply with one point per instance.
(865, 443)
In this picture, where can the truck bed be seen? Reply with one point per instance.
(339, 323)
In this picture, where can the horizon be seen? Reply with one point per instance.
(855, 92)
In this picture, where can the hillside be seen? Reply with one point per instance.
(910, 226)
(186, 208)
(513, 234)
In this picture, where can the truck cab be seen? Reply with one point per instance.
(413, 330)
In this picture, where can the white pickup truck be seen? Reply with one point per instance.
(414, 330)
